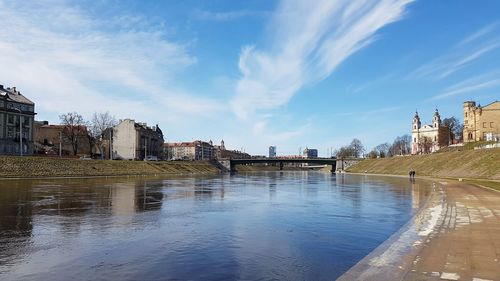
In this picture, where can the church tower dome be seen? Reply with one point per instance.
(436, 120)
(416, 122)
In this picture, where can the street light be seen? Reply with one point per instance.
(20, 132)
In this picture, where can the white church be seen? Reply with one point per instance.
(429, 137)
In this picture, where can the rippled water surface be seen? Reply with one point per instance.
(256, 226)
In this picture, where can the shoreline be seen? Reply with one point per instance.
(415, 251)
(164, 175)
(390, 260)
(38, 168)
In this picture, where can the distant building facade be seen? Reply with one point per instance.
(272, 151)
(481, 123)
(17, 116)
(195, 150)
(221, 152)
(310, 153)
(135, 141)
(429, 137)
(49, 139)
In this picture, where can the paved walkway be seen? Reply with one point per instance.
(465, 244)
(456, 237)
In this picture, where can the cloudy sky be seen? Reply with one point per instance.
(293, 74)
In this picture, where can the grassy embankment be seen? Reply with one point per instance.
(33, 167)
(480, 167)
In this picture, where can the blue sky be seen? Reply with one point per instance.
(293, 74)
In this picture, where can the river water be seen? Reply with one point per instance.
(254, 226)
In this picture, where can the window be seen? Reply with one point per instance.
(491, 125)
(484, 124)
(10, 119)
(466, 122)
(10, 132)
(414, 139)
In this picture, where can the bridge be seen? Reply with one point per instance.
(282, 161)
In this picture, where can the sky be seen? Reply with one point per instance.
(293, 74)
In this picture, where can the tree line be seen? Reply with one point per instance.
(75, 127)
(401, 144)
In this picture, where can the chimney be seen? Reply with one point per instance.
(1, 87)
(14, 89)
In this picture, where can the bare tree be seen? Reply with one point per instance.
(455, 128)
(357, 147)
(99, 123)
(400, 146)
(382, 150)
(373, 154)
(74, 128)
(425, 144)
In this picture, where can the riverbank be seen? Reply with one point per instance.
(39, 167)
(471, 164)
(453, 237)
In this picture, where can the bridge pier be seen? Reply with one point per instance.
(334, 167)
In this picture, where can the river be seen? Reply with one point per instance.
(249, 226)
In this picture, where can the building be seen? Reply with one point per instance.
(222, 153)
(49, 139)
(430, 137)
(272, 151)
(481, 122)
(195, 150)
(17, 116)
(134, 141)
(310, 153)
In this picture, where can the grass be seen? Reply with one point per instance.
(486, 183)
(54, 167)
(472, 164)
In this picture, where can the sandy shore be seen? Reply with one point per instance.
(455, 236)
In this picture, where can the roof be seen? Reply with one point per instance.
(490, 104)
(14, 95)
(185, 144)
(180, 144)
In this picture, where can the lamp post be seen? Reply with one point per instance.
(20, 132)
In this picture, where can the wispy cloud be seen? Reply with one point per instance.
(472, 85)
(229, 15)
(86, 64)
(310, 39)
(479, 34)
(463, 54)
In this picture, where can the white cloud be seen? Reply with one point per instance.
(309, 40)
(66, 60)
(479, 34)
(461, 55)
(475, 84)
(228, 16)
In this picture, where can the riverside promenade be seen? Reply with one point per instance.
(465, 244)
(456, 236)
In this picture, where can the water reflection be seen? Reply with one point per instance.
(276, 225)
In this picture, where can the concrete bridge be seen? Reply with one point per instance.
(281, 162)
(337, 164)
